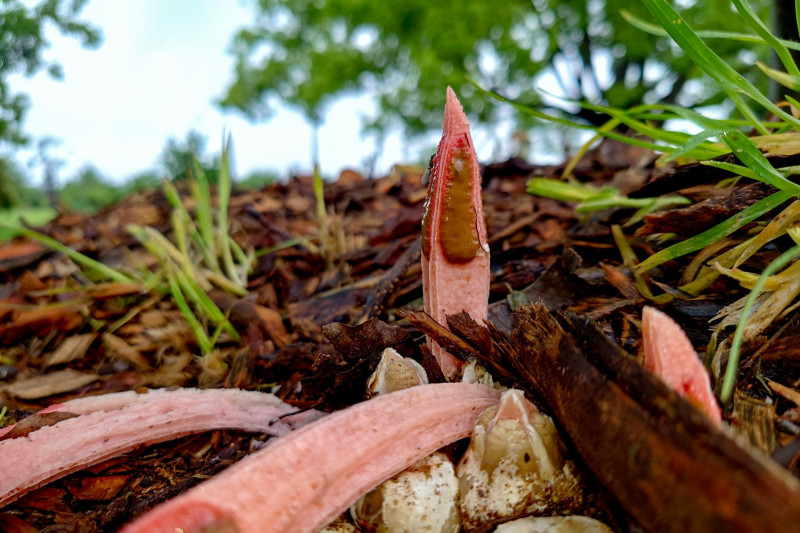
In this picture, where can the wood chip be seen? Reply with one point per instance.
(71, 349)
(118, 348)
(113, 290)
(790, 394)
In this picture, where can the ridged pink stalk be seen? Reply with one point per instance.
(669, 354)
(455, 258)
(113, 424)
(304, 480)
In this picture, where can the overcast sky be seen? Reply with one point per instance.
(156, 75)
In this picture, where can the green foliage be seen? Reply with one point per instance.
(13, 190)
(257, 179)
(147, 180)
(10, 184)
(405, 53)
(88, 192)
(22, 43)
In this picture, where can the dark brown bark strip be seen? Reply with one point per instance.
(698, 217)
(447, 340)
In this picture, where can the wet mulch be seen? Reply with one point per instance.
(63, 335)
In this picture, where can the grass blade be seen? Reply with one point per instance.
(654, 29)
(630, 260)
(797, 13)
(197, 328)
(693, 142)
(754, 22)
(203, 211)
(88, 262)
(749, 154)
(787, 80)
(733, 168)
(223, 199)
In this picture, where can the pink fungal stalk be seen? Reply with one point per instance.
(669, 354)
(304, 480)
(455, 258)
(112, 424)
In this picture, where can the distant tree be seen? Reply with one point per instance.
(177, 157)
(50, 162)
(145, 180)
(22, 43)
(88, 191)
(257, 179)
(306, 54)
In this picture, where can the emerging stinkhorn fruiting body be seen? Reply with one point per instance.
(394, 373)
(455, 252)
(304, 480)
(554, 524)
(116, 423)
(421, 498)
(514, 466)
(669, 354)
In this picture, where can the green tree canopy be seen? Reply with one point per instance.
(22, 43)
(405, 53)
(88, 191)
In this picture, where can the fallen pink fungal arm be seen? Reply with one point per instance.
(304, 480)
(455, 258)
(116, 423)
(669, 354)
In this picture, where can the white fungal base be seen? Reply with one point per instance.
(422, 498)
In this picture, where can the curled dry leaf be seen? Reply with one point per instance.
(455, 253)
(358, 350)
(669, 354)
(356, 343)
(306, 479)
(115, 423)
